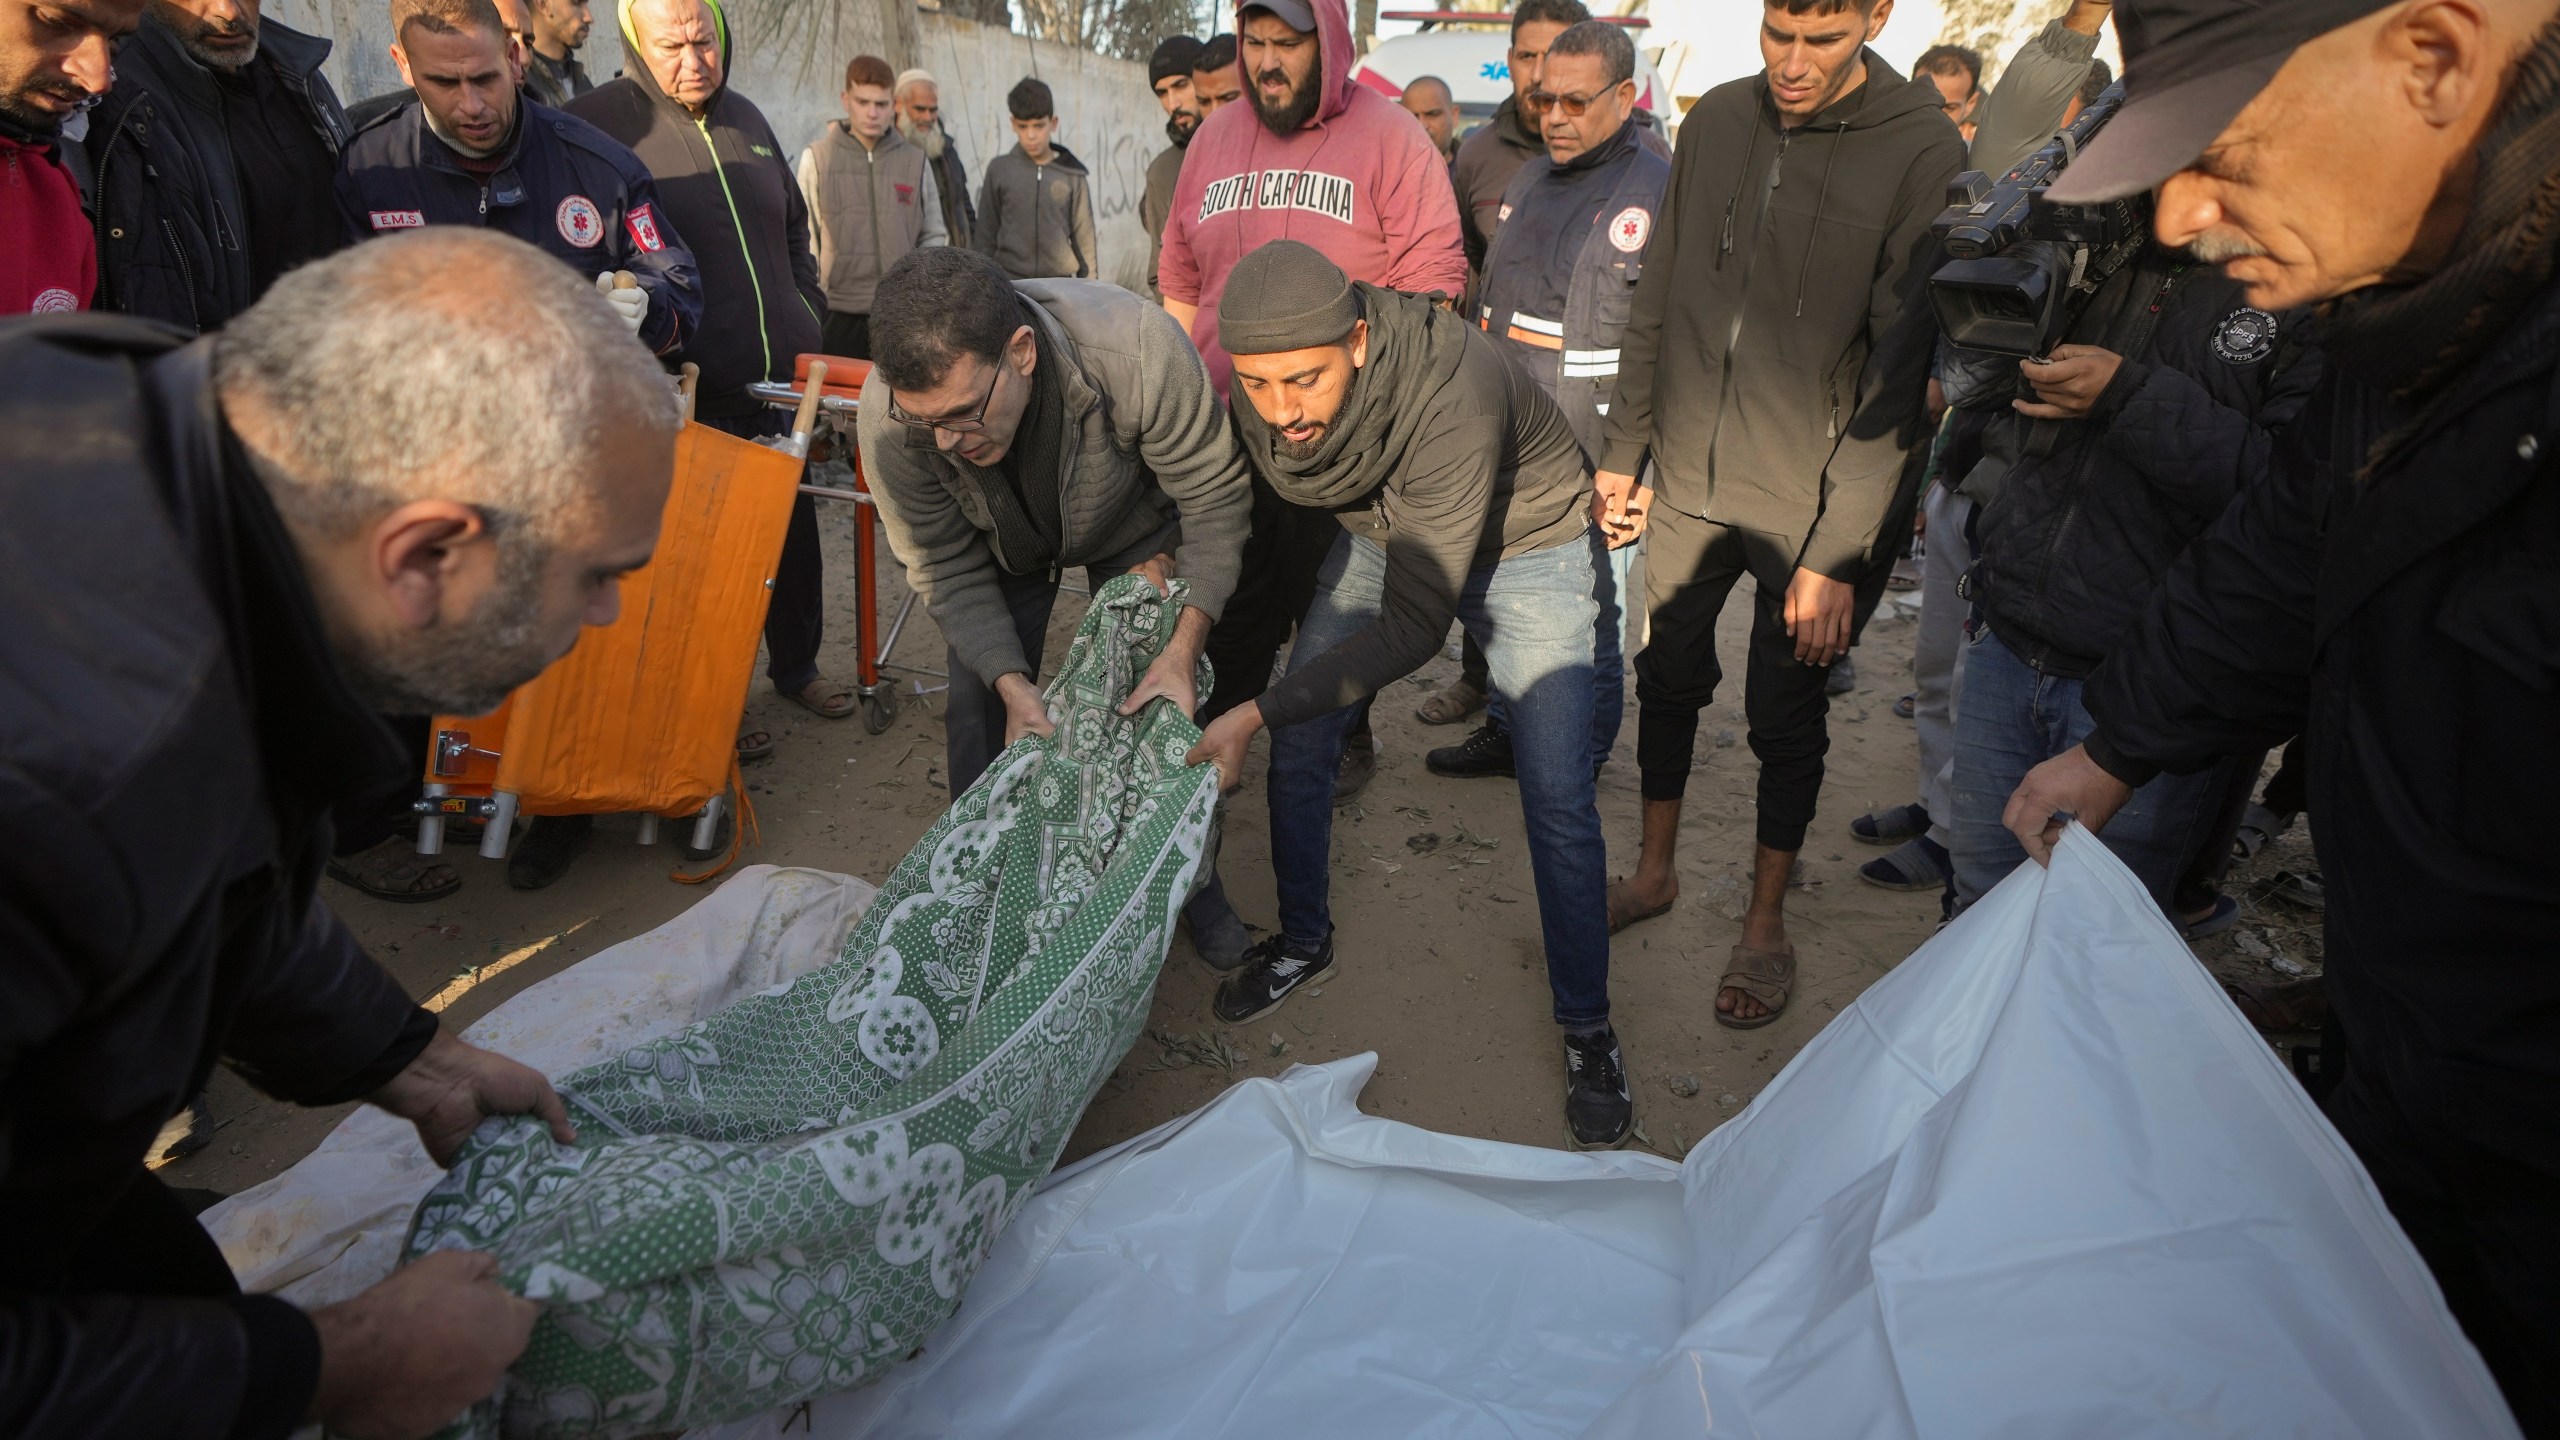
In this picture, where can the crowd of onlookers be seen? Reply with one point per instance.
(1553, 378)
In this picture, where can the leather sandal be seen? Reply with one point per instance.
(1766, 976)
(825, 698)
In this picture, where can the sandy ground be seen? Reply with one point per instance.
(1437, 923)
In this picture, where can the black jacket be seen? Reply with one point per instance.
(178, 734)
(725, 183)
(173, 239)
(562, 184)
(2089, 513)
(1560, 278)
(1778, 352)
(2408, 626)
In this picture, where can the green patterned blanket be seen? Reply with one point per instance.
(783, 1200)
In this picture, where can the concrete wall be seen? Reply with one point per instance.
(792, 65)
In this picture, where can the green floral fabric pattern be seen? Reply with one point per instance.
(783, 1200)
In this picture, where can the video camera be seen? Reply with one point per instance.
(2024, 266)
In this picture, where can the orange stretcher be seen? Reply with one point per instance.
(642, 716)
(840, 403)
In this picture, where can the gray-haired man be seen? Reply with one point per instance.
(322, 513)
(1011, 431)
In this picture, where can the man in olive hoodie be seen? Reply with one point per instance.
(1774, 370)
(724, 186)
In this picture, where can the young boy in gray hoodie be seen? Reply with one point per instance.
(1035, 209)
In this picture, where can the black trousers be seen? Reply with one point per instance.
(2483, 1221)
(795, 619)
(846, 335)
(1691, 565)
(973, 718)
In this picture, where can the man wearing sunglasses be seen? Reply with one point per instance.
(1011, 431)
(1558, 281)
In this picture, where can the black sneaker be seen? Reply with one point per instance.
(1485, 752)
(549, 844)
(1842, 679)
(1597, 1108)
(1272, 972)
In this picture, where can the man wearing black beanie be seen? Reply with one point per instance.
(1169, 71)
(1463, 495)
(1035, 210)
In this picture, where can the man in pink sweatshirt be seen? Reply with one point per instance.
(1313, 156)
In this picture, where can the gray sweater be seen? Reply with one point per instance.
(1145, 441)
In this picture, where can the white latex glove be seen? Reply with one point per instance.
(632, 304)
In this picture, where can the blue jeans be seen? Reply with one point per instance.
(1609, 671)
(1534, 616)
(2013, 718)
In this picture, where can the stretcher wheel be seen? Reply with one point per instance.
(879, 708)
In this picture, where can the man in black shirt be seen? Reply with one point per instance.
(213, 158)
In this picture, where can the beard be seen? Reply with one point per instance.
(1180, 126)
(1291, 115)
(191, 34)
(1306, 449)
(2213, 247)
(38, 122)
(928, 137)
(464, 668)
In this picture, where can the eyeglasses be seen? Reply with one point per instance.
(1573, 106)
(920, 431)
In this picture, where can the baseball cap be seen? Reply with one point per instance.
(1298, 15)
(2190, 66)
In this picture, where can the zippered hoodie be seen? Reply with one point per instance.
(1775, 362)
(1361, 182)
(725, 186)
(1036, 220)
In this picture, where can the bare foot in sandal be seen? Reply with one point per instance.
(1762, 973)
(825, 698)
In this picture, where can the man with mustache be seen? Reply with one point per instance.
(1456, 491)
(1318, 158)
(471, 150)
(322, 512)
(919, 101)
(51, 66)
(1169, 71)
(213, 161)
(1216, 82)
(2391, 590)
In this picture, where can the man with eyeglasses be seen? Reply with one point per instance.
(1557, 285)
(1013, 430)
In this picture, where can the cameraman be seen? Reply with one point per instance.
(2094, 466)
(2392, 589)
